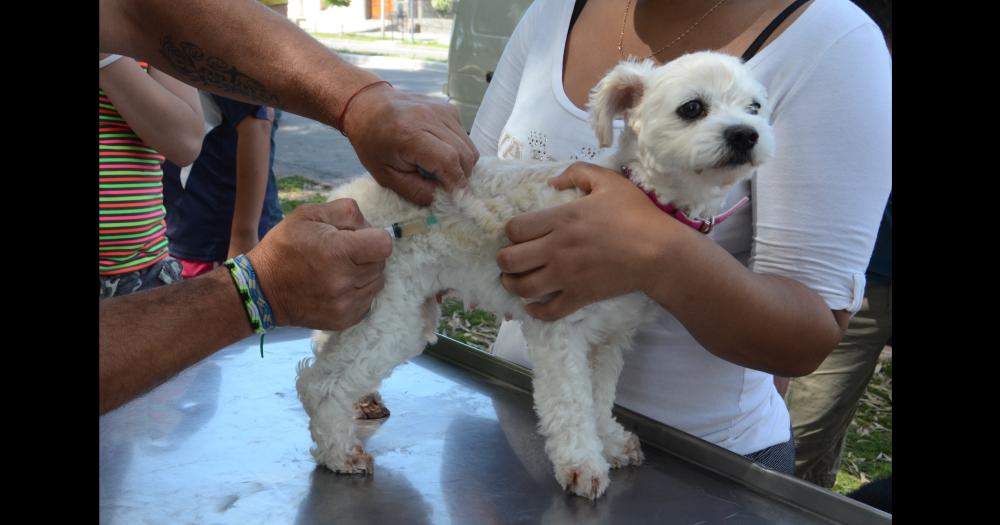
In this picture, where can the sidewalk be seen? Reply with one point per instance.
(395, 48)
(397, 63)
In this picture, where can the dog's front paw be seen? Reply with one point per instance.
(624, 453)
(584, 479)
(357, 462)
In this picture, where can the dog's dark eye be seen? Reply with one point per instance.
(691, 110)
(753, 108)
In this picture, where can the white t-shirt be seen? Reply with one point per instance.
(816, 205)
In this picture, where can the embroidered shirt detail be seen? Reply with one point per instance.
(538, 142)
(509, 148)
(587, 153)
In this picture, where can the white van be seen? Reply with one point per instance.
(480, 33)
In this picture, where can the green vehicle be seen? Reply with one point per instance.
(481, 30)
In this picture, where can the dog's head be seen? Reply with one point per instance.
(701, 118)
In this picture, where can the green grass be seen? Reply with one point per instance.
(476, 328)
(287, 205)
(368, 38)
(868, 451)
(296, 190)
(297, 182)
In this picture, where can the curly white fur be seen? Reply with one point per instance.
(577, 359)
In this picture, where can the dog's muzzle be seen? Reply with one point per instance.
(740, 141)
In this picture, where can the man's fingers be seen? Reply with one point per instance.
(409, 185)
(343, 214)
(438, 157)
(356, 305)
(365, 295)
(471, 156)
(467, 152)
(368, 245)
(365, 274)
(365, 280)
(369, 290)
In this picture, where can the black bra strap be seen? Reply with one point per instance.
(576, 13)
(755, 46)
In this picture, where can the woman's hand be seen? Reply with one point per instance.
(614, 241)
(600, 246)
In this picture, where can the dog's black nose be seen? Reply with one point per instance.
(741, 138)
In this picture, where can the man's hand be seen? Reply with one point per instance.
(321, 267)
(597, 247)
(393, 133)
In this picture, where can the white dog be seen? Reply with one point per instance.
(694, 127)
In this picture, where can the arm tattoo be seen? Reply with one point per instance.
(189, 60)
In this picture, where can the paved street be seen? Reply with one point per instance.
(306, 147)
(387, 47)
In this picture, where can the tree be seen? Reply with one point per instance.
(442, 6)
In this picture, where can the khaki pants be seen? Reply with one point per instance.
(823, 403)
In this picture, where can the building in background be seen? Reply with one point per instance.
(400, 17)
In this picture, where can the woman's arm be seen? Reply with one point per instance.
(614, 241)
(253, 149)
(164, 113)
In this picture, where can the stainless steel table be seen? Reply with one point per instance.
(227, 441)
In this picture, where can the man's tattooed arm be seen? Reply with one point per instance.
(213, 72)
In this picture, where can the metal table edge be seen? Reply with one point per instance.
(786, 489)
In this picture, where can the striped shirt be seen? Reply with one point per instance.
(132, 226)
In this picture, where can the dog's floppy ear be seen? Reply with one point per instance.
(618, 91)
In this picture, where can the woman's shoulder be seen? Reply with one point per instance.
(539, 24)
(548, 11)
(831, 20)
(828, 30)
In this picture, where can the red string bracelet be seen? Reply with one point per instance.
(343, 112)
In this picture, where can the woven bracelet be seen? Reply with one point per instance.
(258, 309)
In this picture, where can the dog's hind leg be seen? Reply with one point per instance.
(564, 402)
(351, 364)
(371, 406)
(621, 447)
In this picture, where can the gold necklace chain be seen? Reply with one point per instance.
(621, 35)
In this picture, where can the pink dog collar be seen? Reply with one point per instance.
(703, 225)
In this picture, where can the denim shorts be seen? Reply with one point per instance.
(163, 272)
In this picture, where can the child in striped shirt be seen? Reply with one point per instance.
(144, 116)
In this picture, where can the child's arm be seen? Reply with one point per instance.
(253, 148)
(163, 112)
